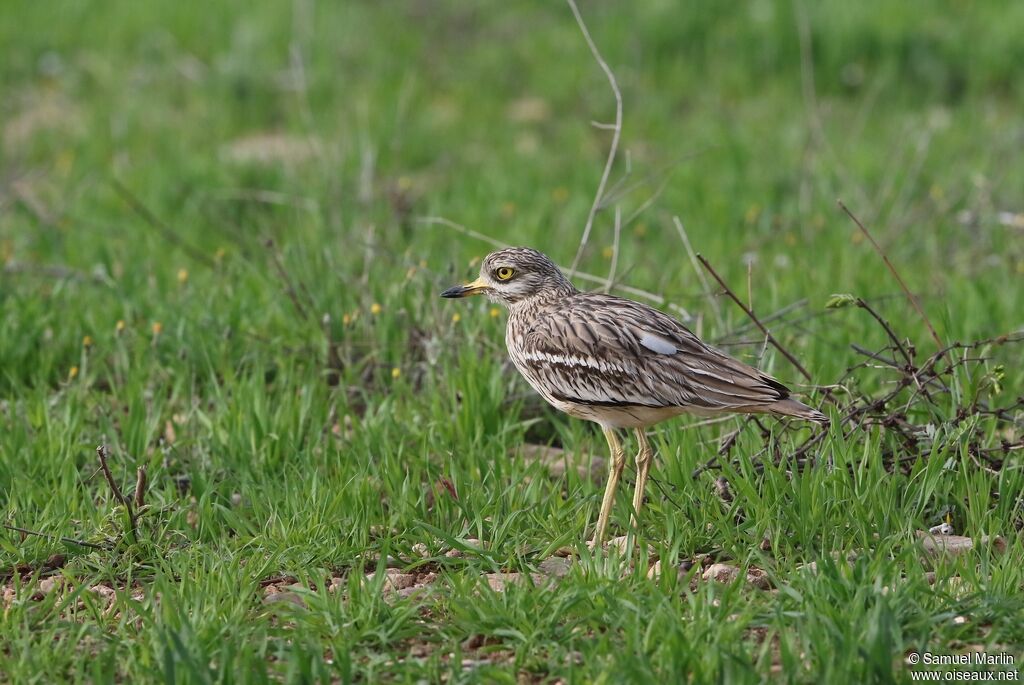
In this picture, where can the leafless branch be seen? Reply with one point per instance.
(775, 343)
(159, 226)
(615, 250)
(617, 132)
(282, 273)
(705, 286)
(70, 541)
(892, 269)
(441, 221)
(140, 487)
(103, 452)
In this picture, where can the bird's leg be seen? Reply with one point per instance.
(616, 462)
(643, 467)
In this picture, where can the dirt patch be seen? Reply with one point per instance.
(270, 149)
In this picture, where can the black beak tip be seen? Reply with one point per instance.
(454, 291)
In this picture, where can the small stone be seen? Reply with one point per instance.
(107, 593)
(406, 593)
(286, 597)
(555, 567)
(758, 579)
(721, 573)
(396, 580)
(470, 543)
(727, 573)
(499, 581)
(621, 545)
(426, 579)
(48, 585)
(654, 572)
(474, 642)
(953, 545)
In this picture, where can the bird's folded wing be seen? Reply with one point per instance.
(603, 350)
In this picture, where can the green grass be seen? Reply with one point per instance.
(264, 462)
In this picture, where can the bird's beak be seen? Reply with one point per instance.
(474, 288)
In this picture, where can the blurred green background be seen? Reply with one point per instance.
(199, 201)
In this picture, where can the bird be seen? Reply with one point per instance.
(616, 362)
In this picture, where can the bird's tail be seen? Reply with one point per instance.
(791, 407)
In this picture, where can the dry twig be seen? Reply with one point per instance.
(610, 281)
(157, 224)
(616, 132)
(103, 452)
(712, 300)
(881, 253)
(775, 343)
(70, 541)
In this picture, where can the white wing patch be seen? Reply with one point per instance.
(573, 360)
(655, 343)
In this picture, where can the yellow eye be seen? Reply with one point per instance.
(504, 273)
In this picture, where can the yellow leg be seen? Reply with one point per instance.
(643, 467)
(617, 461)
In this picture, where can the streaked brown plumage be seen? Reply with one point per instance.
(619, 363)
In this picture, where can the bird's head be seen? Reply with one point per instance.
(515, 275)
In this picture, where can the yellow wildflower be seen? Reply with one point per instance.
(87, 341)
(495, 312)
(119, 326)
(608, 252)
(65, 160)
(456, 317)
(73, 373)
(182, 275)
(157, 327)
(753, 212)
(396, 372)
(376, 309)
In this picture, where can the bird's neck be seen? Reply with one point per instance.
(529, 307)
